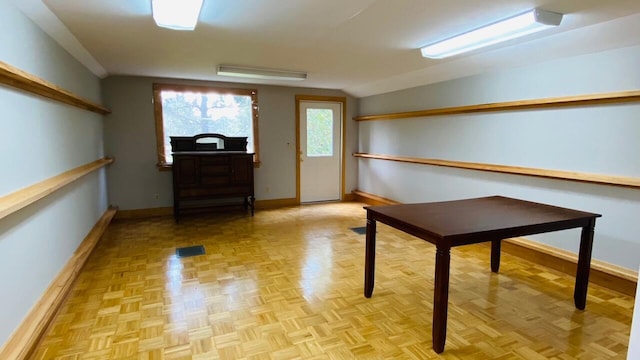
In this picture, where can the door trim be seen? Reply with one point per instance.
(337, 99)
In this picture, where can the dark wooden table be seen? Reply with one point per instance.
(462, 222)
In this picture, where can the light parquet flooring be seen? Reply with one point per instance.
(288, 284)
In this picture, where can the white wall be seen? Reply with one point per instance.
(40, 139)
(130, 137)
(595, 139)
(634, 338)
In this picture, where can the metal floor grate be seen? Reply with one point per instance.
(360, 230)
(190, 251)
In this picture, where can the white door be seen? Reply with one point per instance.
(320, 151)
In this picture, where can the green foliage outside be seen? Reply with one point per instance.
(189, 114)
(319, 132)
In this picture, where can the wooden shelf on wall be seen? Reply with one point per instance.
(24, 339)
(19, 79)
(19, 199)
(517, 170)
(580, 100)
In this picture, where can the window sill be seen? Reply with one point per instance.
(164, 167)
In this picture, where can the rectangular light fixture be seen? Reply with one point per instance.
(176, 14)
(510, 28)
(257, 73)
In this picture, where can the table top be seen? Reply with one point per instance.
(476, 220)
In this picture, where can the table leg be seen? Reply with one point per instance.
(584, 264)
(441, 299)
(370, 258)
(495, 255)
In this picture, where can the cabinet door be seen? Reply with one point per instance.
(241, 169)
(186, 171)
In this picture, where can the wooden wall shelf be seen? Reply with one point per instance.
(24, 339)
(19, 199)
(518, 170)
(580, 100)
(19, 79)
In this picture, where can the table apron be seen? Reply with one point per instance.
(474, 238)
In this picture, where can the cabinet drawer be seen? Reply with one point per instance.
(207, 170)
(214, 160)
(214, 180)
(215, 192)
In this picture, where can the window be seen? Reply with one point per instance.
(183, 110)
(319, 132)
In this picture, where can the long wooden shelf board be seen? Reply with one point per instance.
(580, 100)
(518, 170)
(373, 199)
(21, 198)
(22, 80)
(572, 257)
(25, 338)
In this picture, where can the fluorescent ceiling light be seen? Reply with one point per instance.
(519, 25)
(255, 73)
(176, 14)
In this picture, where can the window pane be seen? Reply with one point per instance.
(319, 132)
(187, 113)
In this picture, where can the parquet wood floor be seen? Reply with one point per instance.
(288, 284)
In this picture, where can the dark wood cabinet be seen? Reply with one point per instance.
(204, 178)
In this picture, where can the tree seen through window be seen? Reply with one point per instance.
(319, 132)
(186, 112)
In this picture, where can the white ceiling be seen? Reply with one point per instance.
(363, 47)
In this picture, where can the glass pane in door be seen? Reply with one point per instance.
(319, 132)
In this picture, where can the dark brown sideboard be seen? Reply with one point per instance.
(211, 174)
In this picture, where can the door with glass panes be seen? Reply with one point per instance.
(320, 151)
